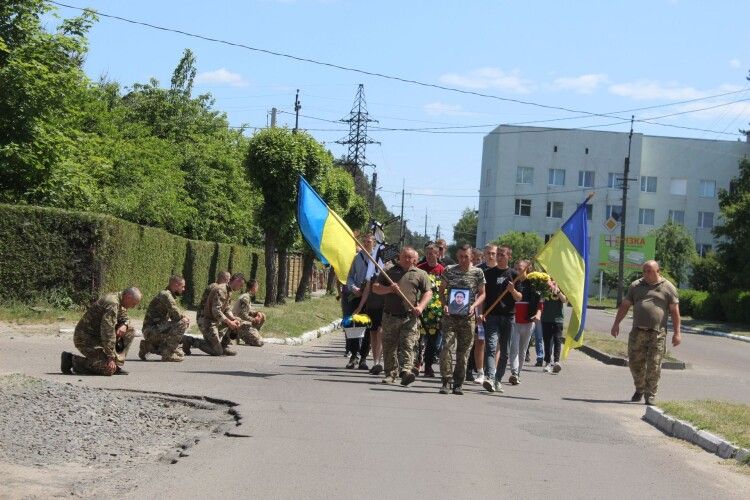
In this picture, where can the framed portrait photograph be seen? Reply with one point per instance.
(458, 304)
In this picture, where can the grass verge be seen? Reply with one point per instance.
(728, 420)
(44, 313)
(295, 318)
(606, 302)
(735, 328)
(614, 347)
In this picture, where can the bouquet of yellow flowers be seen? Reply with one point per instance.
(434, 311)
(539, 282)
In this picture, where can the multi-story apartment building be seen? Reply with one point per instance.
(533, 178)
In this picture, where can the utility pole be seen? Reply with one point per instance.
(374, 192)
(297, 107)
(273, 117)
(437, 233)
(403, 188)
(425, 223)
(625, 180)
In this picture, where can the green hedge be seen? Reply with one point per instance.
(732, 305)
(51, 252)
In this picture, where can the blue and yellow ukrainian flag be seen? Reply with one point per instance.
(329, 236)
(565, 257)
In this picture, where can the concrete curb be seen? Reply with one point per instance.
(305, 337)
(715, 333)
(683, 430)
(615, 360)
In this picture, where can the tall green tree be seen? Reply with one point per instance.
(675, 250)
(275, 159)
(465, 230)
(733, 229)
(523, 245)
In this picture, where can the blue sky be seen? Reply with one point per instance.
(594, 56)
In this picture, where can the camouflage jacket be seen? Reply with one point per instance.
(162, 309)
(243, 308)
(101, 319)
(217, 304)
(204, 298)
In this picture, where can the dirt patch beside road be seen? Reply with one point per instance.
(74, 440)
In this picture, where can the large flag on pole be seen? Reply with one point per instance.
(565, 257)
(329, 236)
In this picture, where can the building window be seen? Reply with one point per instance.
(678, 187)
(703, 249)
(646, 216)
(556, 177)
(705, 220)
(555, 149)
(484, 237)
(586, 178)
(614, 211)
(648, 184)
(613, 180)
(555, 209)
(677, 216)
(587, 150)
(523, 207)
(547, 236)
(525, 175)
(485, 208)
(589, 212)
(707, 189)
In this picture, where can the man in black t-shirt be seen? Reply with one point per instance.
(498, 323)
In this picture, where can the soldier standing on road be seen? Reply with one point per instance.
(652, 297)
(215, 319)
(251, 320)
(165, 324)
(103, 335)
(399, 318)
(458, 328)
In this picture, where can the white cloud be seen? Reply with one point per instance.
(488, 78)
(221, 76)
(443, 109)
(583, 84)
(644, 90)
(735, 63)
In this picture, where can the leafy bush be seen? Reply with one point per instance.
(707, 306)
(736, 305)
(73, 257)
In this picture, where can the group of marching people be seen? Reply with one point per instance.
(418, 312)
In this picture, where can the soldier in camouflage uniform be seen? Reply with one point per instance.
(399, 317)
(103, 335)
(165, 324)
(652, 297)
(216, 317)
(221, 278)
(458, 329)
(250, 319)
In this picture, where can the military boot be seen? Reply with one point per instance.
(187, 342)
(66, 363)
(143, 349)
(229, 352)
(445, 389)
(171, 357)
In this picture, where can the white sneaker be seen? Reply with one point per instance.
(548, 368)
(498, 386)
(479, 379)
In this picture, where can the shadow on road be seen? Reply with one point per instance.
(600, 401)
(235, 373)
(343, 381)
(401, 389)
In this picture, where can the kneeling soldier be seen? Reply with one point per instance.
(103, 335)
(215, 319)
(250, 319)
(164, 323)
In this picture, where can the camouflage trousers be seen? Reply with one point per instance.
(94, 361)
(163, 339)
(248, 334)
(645, 350)
(458, 335)
(399, 337)
(215, 337)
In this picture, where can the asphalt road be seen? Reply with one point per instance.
(319, 431)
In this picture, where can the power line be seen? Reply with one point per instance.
(337, 66)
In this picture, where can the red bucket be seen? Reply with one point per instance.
(522, 312)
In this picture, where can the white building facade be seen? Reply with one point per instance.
(534, 178)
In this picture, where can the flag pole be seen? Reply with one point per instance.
(486, 312)
(375, 262)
